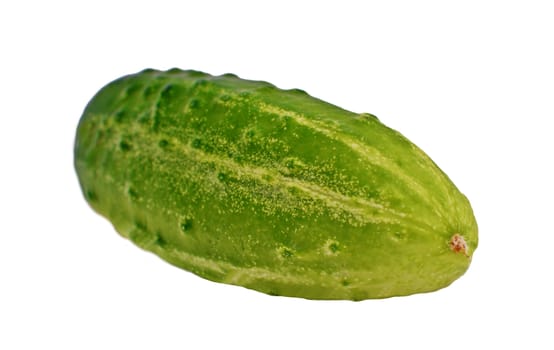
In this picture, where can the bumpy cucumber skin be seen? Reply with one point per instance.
(243, 183)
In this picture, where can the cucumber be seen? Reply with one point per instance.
(243, 183)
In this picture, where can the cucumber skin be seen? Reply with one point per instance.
(243, 183)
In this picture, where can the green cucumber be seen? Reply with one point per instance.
(243, 183)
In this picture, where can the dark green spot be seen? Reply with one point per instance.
(244, 93)
(132, 89)
(148, 70)
(250, 133)
(229, 75)
(160, 241)
(286, 252)
(174, 71)
(221, 177)
(91, 195)
(345, 282)
(124, 146)
(333, 247)
(207, 147)
(225, 98)
(196, 143)
(186, 225)
(163, 143)
(119, 116)
(289, 163)
(194, 103)
(399, 235)
(141, 226)
(132, 193)
(148, 91)
(168, 90)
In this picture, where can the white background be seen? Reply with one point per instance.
(470, 82)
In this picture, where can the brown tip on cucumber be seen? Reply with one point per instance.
(458, 244)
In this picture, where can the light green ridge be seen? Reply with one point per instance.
(242, 183)
(370, 154)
